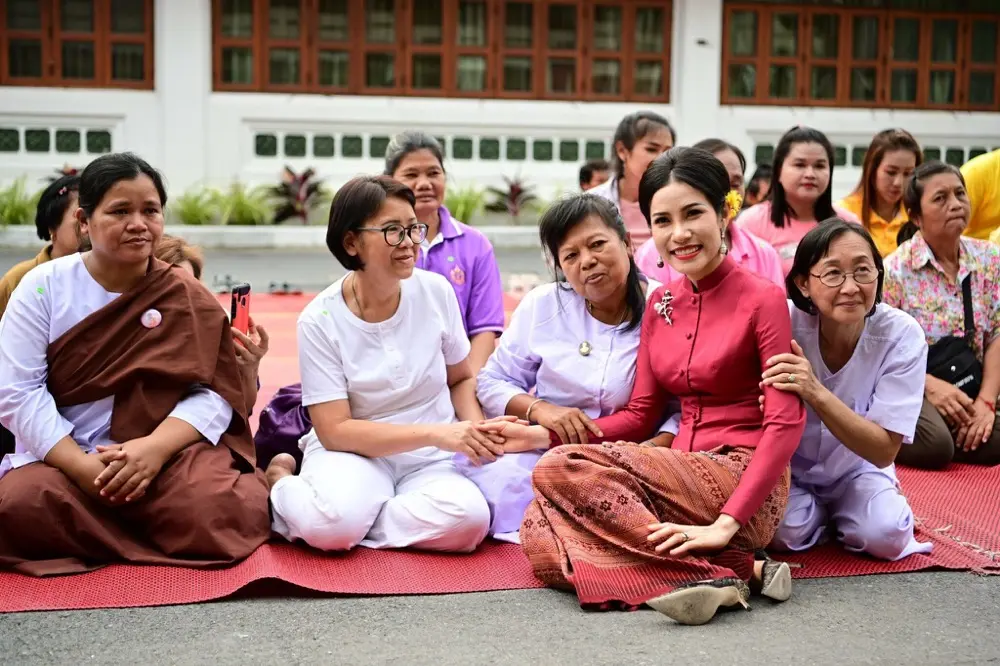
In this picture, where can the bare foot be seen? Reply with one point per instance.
(281, 465)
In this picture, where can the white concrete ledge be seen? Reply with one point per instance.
(271, 237)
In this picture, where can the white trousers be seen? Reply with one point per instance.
(418, 500)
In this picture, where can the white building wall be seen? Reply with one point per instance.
(199, 137)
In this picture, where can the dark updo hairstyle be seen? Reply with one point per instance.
(107, 171)
(780, 209)
(408, 142)
(52, 205)
(814, 246)
(632, 129)
(716, 146)
(695, 167)
(564, 215)
(914, 192)
(354, 204)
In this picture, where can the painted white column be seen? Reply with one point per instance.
(697, 69)
(183, 33)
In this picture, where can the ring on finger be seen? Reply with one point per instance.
(791, 378)
(686, 537)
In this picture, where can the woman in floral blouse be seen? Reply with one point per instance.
(924, 278)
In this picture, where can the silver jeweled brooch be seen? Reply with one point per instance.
(664, 307)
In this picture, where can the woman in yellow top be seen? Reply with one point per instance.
(982, 183)
(877, 200)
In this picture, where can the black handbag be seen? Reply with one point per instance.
(952, 358)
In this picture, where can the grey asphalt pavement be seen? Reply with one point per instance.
(925, 619)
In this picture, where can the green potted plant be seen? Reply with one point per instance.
(514, 199)
(197, 207)
(244, 206)
(17, 207)
(297, 196)
(465, 203)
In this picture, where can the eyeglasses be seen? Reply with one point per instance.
(861, 275)
(395, 233)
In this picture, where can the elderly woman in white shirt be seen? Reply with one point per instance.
(573, 341)
(386, 378)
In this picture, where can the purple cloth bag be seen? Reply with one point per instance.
(282, 424)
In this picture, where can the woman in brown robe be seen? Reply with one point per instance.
(119, 382)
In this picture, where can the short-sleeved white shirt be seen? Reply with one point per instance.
(394, 371)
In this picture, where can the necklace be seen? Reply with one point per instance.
(354, 293)
(585, 346)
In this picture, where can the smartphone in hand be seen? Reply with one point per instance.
(240, 308)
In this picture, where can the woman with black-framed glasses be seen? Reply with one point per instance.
(386, 379)
(859, 367)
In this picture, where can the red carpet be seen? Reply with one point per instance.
(957, 510)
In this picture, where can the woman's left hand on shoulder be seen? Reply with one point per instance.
(792, 373)
(971, 437)
(250, 349)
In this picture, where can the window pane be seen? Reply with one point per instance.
(649, 30)
(865, 38)
(982, 88)
(782, 82)
(785, 35)
(471, 75)
(265, 145)
(380, 21)
(863, 84)
(942, 90)
(333, 69)
(743, 81)
(517, 149)
(858, 155)
(380, 70)
(944, 42)
(68, 141)
(10, 140)
(606, 77)
(594, 150)
(426, 71)
(24, 15)
(932, 154)
(607, 28)
(825, 35)
(427, 21)
(472, 23)
(128, 16)
(25, 58)
(955, 156)
(648, 80)
(323, 146)
(295, 145)
(560, 75)
(461, 148)
(906, 40)
(823, 83)
(284, 66)
(351, 146)
(518, 24)
(444, 144)
(283, 19)
(517, 74)
(984, 42)
(743, 33)
(976, 152)
(763, 154)
(569, 151)
(76, 15)
(334, 23)
(237, 18)
(377, 146)
(489, 149)
(839, 156)
(237, 65)
(903, 85)
(541, 150)
(37, 140)
(562, 26)
(78, 60)
(128, 62)
(98, 142)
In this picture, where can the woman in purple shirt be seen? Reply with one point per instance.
(457, 251)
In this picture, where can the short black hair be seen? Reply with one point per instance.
(814, 246)
(107, 171)
(408, 142)
(716, 146)
(354, 204)
(52, 204)
(694, 167)
(632, 129)
(588, 170)
(562, 216)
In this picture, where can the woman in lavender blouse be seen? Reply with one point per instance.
(573, 341)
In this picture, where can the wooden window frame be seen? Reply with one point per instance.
(52, 38)
(404, 49)
(884, 65)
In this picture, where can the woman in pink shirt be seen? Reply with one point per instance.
(800, 196)
(640, 138)
(749, 251)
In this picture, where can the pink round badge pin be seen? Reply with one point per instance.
(151, 318)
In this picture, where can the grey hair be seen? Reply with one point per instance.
(408, 142)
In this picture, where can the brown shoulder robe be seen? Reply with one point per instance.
(208, 506)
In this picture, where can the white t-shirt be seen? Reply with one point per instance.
(394, 371)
